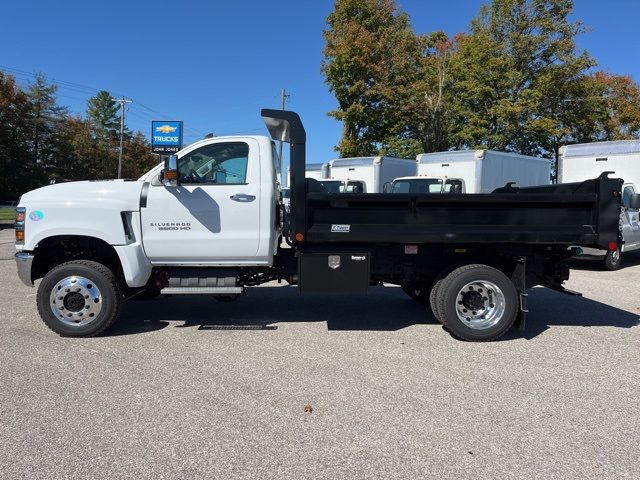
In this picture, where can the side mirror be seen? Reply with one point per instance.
(170, 172)
(386, 188)
(634, 201)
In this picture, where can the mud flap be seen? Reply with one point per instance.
(519, 280)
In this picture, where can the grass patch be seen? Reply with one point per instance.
(7, 213)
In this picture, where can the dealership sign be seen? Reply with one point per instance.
(166, 136)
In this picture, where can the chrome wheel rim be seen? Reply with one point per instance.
(480, 304)
(75, 301)
(615, 256)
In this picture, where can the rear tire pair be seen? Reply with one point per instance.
(475, 302)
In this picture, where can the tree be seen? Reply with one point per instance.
(371, 58)
(102, 114)
(15, 176)
(621, 97)
(519, 77)
(45, 117)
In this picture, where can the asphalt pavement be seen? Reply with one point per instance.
(194, 388)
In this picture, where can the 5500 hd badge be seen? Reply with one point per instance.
(171, 225)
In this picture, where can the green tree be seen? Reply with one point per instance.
(102, 114)
(519, 79)
(45, 119)
(15, 175)
(372, 56)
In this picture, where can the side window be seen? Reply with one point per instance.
(215, 164)
(626, 195)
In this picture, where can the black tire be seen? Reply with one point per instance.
(419, 293)
(449, 299)
(100, 278)
(612, 260)
(433, 298)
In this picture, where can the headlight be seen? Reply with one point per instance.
(21, 213)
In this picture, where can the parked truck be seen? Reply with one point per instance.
(366, 174)
(208, 222)
(472, 171)
(318, 171)
(581, 161)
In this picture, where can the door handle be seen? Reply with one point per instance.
(242, 197)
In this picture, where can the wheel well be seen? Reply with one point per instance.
(53, 251)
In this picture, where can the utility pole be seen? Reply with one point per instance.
(283, 98)
(122, 101)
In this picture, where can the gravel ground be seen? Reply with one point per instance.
(193, 388)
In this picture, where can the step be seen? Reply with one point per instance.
(202, 290)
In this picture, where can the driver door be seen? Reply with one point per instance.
(212, 216)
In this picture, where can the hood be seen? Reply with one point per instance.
(126, 194)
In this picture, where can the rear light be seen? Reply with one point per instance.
(613, 246)
(19, 225)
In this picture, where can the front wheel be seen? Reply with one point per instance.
(612, 260)
(79, 299)
(477, 303)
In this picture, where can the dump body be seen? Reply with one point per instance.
(572, 214)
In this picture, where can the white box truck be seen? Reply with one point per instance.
(473, 171)
(318, 171)
(580, 162)
(366, 174)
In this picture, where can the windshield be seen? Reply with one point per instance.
(417, 185)
(338, 186)
(332, 186)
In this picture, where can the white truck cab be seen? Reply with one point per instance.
(222, 212)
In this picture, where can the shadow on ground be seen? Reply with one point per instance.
(384, 309)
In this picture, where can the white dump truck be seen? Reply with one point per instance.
(472, 171)
(209, 222)
(583, 161)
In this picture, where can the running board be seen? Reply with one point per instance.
(202, 290)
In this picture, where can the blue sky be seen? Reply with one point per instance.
(214, 64)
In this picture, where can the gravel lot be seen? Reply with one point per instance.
(194, 388)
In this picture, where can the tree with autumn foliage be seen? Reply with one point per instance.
(621, 96)
(514, 82)
(372, 57)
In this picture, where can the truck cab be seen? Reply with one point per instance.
(226, 195)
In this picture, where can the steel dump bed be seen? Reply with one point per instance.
(569, 214)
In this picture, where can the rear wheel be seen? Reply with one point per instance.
(612, 260)
(433, 299)
(477, 303)
(79, 299)
(419, 293)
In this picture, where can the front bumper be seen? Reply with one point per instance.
(23, 262)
